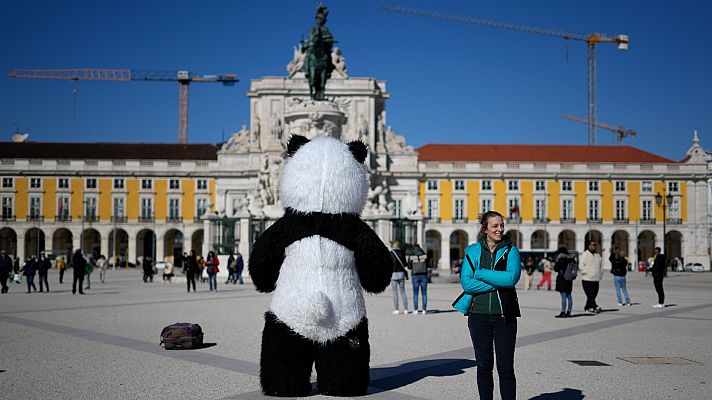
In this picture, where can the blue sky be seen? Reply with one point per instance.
(449, 82)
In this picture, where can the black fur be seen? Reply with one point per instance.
(373, 261)
(295, 142)
(287, 357)
(359, 150)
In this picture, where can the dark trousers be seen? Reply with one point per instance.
(78, 279)
(30, 283)
(61, 275)
(486, 330)
(190, 278)
(658, 282)
(43, 279)
(3, 279)
(591, 290)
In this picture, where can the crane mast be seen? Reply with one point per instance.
(184, 78)
(591, 40)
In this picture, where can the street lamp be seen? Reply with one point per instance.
(663, 201)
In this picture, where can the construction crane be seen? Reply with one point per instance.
(591, 39)
(620, 131)
(184, 78)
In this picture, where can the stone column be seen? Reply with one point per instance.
(604, 249)
(633, 251)
(420, 232)
(104, 246)
(245, 246)
(207, 238)
(76, 241)
(160, 247)
(383, 230)
(131, 251)
(444, 252)
(21, 248)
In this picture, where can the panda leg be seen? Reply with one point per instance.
(286, 360)
(342, 365)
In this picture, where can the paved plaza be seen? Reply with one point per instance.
(104, 345)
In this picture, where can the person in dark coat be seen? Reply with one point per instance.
(43, 267)
(29, 270)
(619, 268)
(240, 266)
(658, 271)
(147, 269)
(5, 268)
(191, 268)
(78, 265)
(563, 286)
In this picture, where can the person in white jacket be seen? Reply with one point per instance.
(591, 274)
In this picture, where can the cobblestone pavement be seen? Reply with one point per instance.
(104, 345)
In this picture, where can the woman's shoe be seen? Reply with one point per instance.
(568, 314)
(561, 315)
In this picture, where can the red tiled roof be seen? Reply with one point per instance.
(108, 151)
(536, 153)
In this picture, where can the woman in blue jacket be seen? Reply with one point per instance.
(490, 273)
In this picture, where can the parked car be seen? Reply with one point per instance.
(694, 267)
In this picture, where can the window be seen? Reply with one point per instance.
(567, 210)
(620, 210)
(7, 182)
(459, 209)
(540, 186)
(174, 184)
(487, 185)
(397, 207)
(173, 209)
(620, 186)
(90, 208)
(459, 185)
(513, 210)
(647, 210)
(201, 207)
(146, 184)
(432, 184)
(118, 209)
(62, 183)
(433, 208)
(35, 207)
(63, 208)
(485, 205)
(118, 183)
(146, 208)
(674, 209)
(91, 183)
(593, 210)
(7, 211)
(540, 209)
(513, 185)
(202, 184)
(647, 186)
(593, 186)
(35, 183)
(566, 186)
(673, 187)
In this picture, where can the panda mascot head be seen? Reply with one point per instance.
(317, 260)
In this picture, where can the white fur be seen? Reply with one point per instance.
(318, 292)
(324, 176)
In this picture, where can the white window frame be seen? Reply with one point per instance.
(433, 208)
(511, 202)
(431, 185)
(461, 211)
(567, 209)
(567, 185)
(34, 203)
(198, 184)
(88, 200)
(119, 183)
(59, 183)
(7, 202)
(513, 185)
(94, 181)
(646, 213)
(646, 186)
(486, 186)
(64, 213)
(170, 184)
(146, 213)
(594, 213)
(8, 182)
(171, 215)
(201, 201)
(594, 186)
(485, 205)
(620, 186)
(146, 184)
(35, 183)
(397, 207)
(459, 185)
(673, 187)
(118, 211)
(540, 209)
(620, 209)
(540, 185)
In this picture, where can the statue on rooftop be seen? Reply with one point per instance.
(318, 61)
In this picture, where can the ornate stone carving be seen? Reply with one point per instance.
(337, 58)
(276, 130)
(297, 62)
(268, 180)
(239, 141)
(377, 201)
(395, 144)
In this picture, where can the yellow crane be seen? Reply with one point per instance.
(591, 39)
(620, 131)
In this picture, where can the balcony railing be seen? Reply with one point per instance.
(541, 220)
(35, 217)
(145, 219)
(568, 220)
(118, 219)
(620, 220)
(514, 220)
(593, 220)
(674, 221)
(434, 220)
(174, 219)
(462, 220)
(647, 221)
(63, 218)
(7, 218)
(91, 218)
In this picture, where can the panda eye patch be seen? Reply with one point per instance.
(359, 150)
(295, 142)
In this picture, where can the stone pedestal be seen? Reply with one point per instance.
(311, 118)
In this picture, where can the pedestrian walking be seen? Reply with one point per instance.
(5, 269)
(190, 265)
(231, 269)
(43, 267)
(489, 276)
(658, 272)
(88, 269)
(29, 270)
(101, 266)
(78, 266)
(545, 274)
(201, 267)
(211, 264)
(619, 269)
(147, 266)
(529, 268)
(566, 271)
(240, 266)
(591, 274)
(398, 278)
(61, 267)
(168, 273)
(420, 284)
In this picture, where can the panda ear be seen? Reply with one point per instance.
(359, 150)
(295, 142)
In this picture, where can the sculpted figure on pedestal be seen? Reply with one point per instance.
(317, 61)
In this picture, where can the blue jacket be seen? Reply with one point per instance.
(476, 281)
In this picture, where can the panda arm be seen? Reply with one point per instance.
(268, 250)
(373, 260)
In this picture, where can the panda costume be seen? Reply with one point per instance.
(317, 259)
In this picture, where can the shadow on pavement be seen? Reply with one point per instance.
(565, 394)
(609, 310)
(208, 345)
(407, 373)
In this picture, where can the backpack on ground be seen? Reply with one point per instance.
(571, 270)
(182, 335)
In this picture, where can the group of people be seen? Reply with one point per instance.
(193, 266)
(419, 276)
